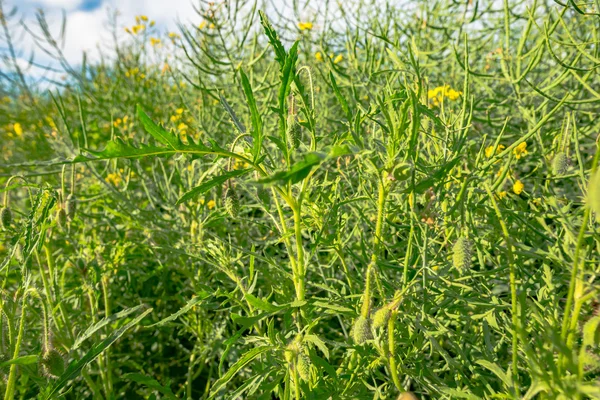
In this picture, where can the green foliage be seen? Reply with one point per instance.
(262, 207)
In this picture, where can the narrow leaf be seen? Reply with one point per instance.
(198, 190)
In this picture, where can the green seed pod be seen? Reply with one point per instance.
(303, 366)
(71, 205)
(560, 164)
(231, 202)
(52, 363)
(461, 257)
(361, 331)
(6, 217)
(407, 396)
(381, 317)
(593, 195)
(293, 132)
(61, 217)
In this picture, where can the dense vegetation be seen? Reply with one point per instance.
(351, 201)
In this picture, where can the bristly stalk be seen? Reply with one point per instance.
(12, 374)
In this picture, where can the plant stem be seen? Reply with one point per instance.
(12, 375)
(392, 351)
(513, 293)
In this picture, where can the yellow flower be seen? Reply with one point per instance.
(211, 204)
(212, 26)
(501, 195)
(520, 150)
(305, 26)
(319, 56)
(179, 111)
(18, 129)
(117, 122)
(338, 59)
(154, 41)
(175, 118)
(239, 164)
(202, 25)
(436, 95)
(137, 28)
(489, 151)
(182, 127)
(113, 178)
(144, 18)
(518, 187)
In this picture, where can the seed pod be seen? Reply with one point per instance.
(61, 217)
(71, 205)
(407, 396)
(593, 195)
(6, 217)
(560, 164)
(303, 366)
(361, 331)
(293, 132)
(52, 363)
(381, 317)
(231, 202)
(461, 257)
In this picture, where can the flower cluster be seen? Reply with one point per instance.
(437, 95)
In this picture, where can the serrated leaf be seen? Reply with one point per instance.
(257, 126)
(262, 304)
(288, 73)
(244, 360)
(75, 367)
(150, 383)
(280, 53)
(158, 132)
(198, 190)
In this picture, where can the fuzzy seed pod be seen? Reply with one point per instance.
(293, 132)
(381, 317)
(289, 355)
(361, 331)
(461, 257)
(593, 195)
(560, 164)
(52, 363)
(61, 217)
(303, 366)
(407, 396)
(71, 205)
(231, 202)
(6, 217)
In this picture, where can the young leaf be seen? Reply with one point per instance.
(280, 54)
(158, 132)
(102, 323)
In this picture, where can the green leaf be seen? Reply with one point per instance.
(591, 332)
(158, 132)
(198, 190)
(23, 360)
(280, 54)
(496, 370)
(238, 124)
(257, 126)
(150, 383)
(338, 95)
(297, 172)
(191, 303)
(288, 72)
(75, 367)
(262, 304)
(241, 363)
(314, 339)
(102, 323)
